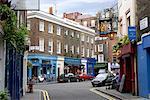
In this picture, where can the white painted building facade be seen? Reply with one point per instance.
(127, 9)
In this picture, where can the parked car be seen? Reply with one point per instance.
(84, 77)
(70, 77)
(101, 79)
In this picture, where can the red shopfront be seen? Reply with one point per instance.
(127, 60)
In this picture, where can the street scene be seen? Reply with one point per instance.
(74, 49)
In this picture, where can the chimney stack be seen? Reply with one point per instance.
(51, 10)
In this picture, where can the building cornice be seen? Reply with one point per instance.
(60, 21)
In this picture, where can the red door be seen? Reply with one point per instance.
(128, 82)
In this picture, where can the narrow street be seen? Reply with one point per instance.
(70, 91)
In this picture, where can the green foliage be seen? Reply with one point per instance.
(122, 41)
(3, 95)
(12, 34)
(29, 64)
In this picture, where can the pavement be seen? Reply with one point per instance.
(113, 94)
(36, 95)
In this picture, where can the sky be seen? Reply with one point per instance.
(82, 6)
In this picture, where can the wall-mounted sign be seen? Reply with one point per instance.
(25, 4)
(144, 23)
(132, 33)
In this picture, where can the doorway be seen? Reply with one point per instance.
(35, 71)
(128, 83)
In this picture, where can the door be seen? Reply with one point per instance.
(128, 82)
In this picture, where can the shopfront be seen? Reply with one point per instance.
(127, 67)
(72, 65)
(42, 65)
(144, 66)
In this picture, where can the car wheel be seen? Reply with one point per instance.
(78, 80)
(93, 85)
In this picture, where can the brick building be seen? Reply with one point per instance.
(72, 16)
(56, 43)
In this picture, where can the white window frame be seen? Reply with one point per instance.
(88, 39)
(41, 44)
(100, 58)
(58, 47)
(72, 34)
(58, 30)
(66, 32)
(85, 23)
(50, 28)
(82, 37)
(50, 46)
(95, 48)
(93, 23)
(78, 50)
(78, 35)
(100, 47)
(92, 53)
(88, 52)
(72, 49)
(41, 26)
(92, 40)
(66, 48)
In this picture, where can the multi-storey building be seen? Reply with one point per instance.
(143, 51)
(72, 16)
(106, 28)
(85, 20)
(126, 16)
(57, 45)
(127, 57)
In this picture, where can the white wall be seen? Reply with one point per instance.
(2, 63)
(60, 64)
(124, 6)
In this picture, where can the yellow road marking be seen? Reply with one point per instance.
(44, 95)
(47, 95)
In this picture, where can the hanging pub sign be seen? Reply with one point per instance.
(104, 28)
(132, 33)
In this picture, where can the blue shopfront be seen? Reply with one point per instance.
(42, 65)
(90, 66)
(144, 66)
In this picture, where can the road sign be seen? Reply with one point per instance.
(132, 33)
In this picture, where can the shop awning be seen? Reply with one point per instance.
(100, 65)
(46, 65)
(72, 62)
